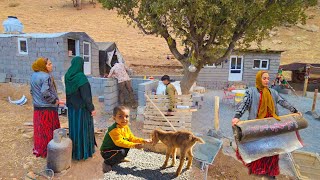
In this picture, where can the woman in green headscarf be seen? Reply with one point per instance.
(80, 110)
(261, 102)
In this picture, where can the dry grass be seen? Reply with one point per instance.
(61, 16)
(14, 4)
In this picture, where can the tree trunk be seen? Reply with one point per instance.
(188, 79)
(79, 5)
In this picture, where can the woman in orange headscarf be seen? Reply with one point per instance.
(45, 103)
(261, 102)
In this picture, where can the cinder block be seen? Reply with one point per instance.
(108, 83)
(110, 95)
(3, 77)
(108, 90)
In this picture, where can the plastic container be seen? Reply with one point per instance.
(12, 25)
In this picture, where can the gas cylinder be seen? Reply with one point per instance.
(59, 151)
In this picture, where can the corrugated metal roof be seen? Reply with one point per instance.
(259, 50)
(296, 66)
(34, 35)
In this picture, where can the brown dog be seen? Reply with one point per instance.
(184, 140)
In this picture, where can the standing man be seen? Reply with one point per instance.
(171, 92)
(119, 71)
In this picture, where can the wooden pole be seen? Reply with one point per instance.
(306, 79)
(160, 112)
(216, 113)
(314, 100)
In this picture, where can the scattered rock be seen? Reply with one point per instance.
(28, 123)
(273, 33)
(298, 38)
(26, 166)
(307, 27)
(21, 130)
(27, 135)
(276, 41)
(31, 175)
(307, 42)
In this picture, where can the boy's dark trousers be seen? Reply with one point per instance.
(115, 155)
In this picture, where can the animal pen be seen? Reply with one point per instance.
(155, 119)
(182, 114)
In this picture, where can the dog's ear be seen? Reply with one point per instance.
(155, 133)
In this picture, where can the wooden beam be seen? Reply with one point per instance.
(216, 113)
(306, 79)
(314, 100)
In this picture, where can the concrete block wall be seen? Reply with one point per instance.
(10, 58)
(144, 88)
(212, 84)
(175, 77)
(3, 77)
(135, 85)
(97, 85)
(110, 87)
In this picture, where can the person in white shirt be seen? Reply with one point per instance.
(119, 71)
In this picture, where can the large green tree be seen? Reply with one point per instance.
(208, 30)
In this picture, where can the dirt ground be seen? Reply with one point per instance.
(16, 142)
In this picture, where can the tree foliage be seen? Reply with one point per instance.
(208, 29)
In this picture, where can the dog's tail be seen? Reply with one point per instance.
(197, 139)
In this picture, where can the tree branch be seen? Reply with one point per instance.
(141, 27)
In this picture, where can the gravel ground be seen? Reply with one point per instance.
(145, 165)
(202, 120)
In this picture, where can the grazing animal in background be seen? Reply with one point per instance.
(184, 140)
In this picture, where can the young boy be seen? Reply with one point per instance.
(119, 139)
(171, 92)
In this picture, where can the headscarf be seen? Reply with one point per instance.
(41, 65)
(75, 77)
(267, 104)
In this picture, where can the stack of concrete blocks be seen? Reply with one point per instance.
(98, 85)
(3, 77)
(145, 88)
(213, 85)
(197, 100)
(61, 87)
(110, 86)
(174, 77)
(135, 85)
